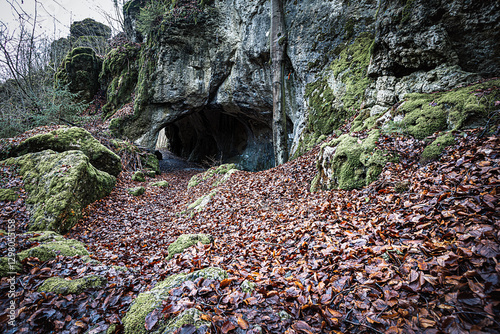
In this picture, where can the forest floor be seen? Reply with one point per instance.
(414, 252)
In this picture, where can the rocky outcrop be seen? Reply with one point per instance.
(207, 82)
(80, 72)
(59, 186)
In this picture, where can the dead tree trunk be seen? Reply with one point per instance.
(278, 46)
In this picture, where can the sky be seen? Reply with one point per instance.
(56, 16)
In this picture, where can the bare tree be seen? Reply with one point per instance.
(278, 46)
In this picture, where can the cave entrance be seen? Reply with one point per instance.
(211, 137)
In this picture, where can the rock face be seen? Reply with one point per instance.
(207, 82)
(59, 186)
(80, 71)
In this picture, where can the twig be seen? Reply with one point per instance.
(360, 324)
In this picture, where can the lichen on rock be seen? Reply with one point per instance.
(147, 301)
(59, 186)
(59, 285)
(187, 240)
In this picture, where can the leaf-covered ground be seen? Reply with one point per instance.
(415, 252)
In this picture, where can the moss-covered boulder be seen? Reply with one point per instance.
(137, 191)
(161, 184)
(59, 285)
(187, 240)
(201, 202)
(434, 149)
(349, 162)
(190, 316)
(214, 171)
(59, 186)
(148, 301)
(66, 139)
(138, 176)
(80, 72)
(8, 195)
(150, 173)
(48, 251)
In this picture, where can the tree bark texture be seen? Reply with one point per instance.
(278, 46)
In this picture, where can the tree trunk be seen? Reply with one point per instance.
(278, 45)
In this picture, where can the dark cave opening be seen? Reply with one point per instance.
(208, 137)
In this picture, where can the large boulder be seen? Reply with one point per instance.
(59, 186)
(148, 301)
(66, 139)
(80, 72)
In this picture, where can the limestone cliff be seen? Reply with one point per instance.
(207, 80)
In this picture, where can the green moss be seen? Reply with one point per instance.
(218, 170)
(8, 195)
(150, 173)
(45, 236)
(151, 162)
(364, 121)
(248, 286)
(328, 109)
(190, 316)
(162, 184)
(138, 176)
(9, 266)
(187, 240)
(59, 186)
(49, 251)
(147, 301)
(348, 162)
(201, 202)
(66, 139)
(59, 285)
(434, 149)
(119, 73)
(137, 191)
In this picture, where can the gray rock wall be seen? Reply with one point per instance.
(221, 63)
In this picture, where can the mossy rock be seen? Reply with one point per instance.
(138, 176)
(89, 27)
(161, 184)
(460, 108)
(59, 285)
(201, 202)
(150, 161)
(119, 74)
(49, 251)
(218, 170)
(187, 240)
(80, 72)
(150, 173)
(59, 186)
(45, 236)
(8, 195)
(67, 139)
(248, 286)
(148, 301)
(137, 191)
(9, 266)
(349, 162)
(190, 316)
(434, 149)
